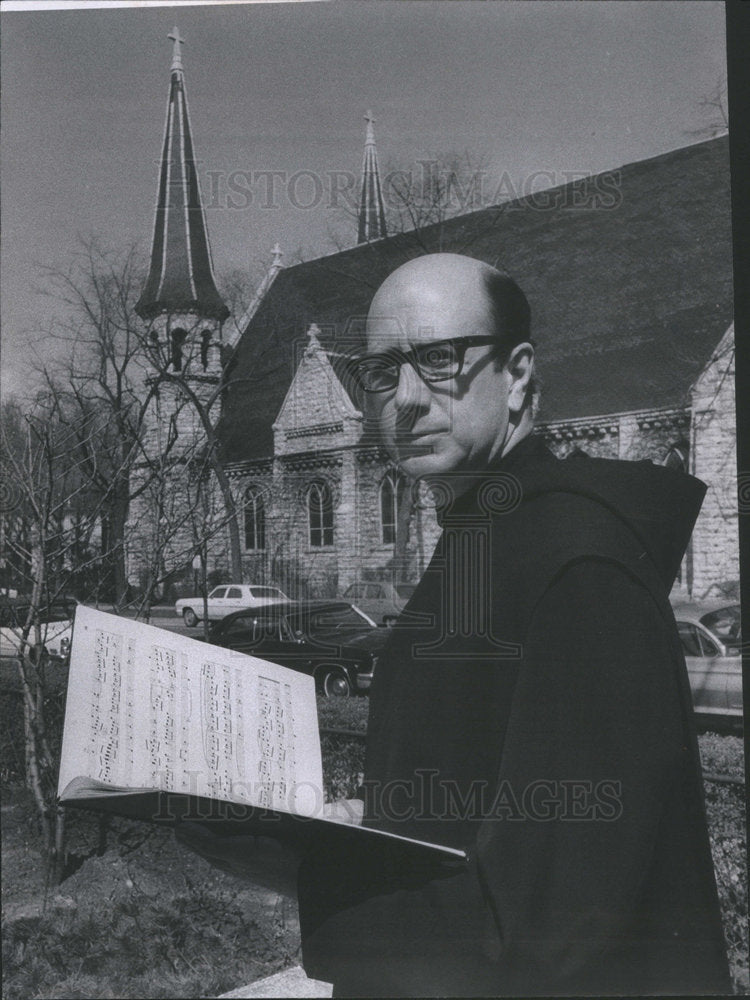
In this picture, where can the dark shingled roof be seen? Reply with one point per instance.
(629, 276)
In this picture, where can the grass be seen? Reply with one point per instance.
(343, 759)
(146, 918)
(343, 713)
(725, 807)
(190, 945)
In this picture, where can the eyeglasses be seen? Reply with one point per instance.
(435, 361)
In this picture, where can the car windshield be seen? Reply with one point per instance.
(265, 592)
(323, 621)
(725, 624)
(405, 590)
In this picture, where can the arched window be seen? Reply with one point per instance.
(677, 457)
(320, 514)
(389, 491)
(255, 519)
(178, 339)
(205, 342)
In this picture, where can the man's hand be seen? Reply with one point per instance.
(262, 860)
(344, 811)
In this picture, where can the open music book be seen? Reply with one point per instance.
(164, 727)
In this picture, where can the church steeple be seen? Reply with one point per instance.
(371, 209)
(180, 278)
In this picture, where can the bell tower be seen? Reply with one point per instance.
(184, 316)
(180, 303)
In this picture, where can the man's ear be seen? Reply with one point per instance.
(520, 368)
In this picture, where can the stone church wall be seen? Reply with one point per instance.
(304, 571)
(714, 460)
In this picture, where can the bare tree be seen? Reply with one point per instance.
(51, 453)
(102, 380)
(714, 106)
(50, 534)
(107, 384)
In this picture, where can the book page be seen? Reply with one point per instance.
(148, 709)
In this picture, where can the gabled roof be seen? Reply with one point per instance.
(629, 276)
(316, 401)
(180, 277)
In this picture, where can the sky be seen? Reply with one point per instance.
(538, 91)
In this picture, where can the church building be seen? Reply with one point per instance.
(629, 277)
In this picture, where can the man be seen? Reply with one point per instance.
(554, 742)
(542, 720)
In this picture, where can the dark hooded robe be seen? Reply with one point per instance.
(532, 707)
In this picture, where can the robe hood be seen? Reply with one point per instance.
(658, 505)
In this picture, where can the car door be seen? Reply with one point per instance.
(234, 600)
(726, 670)
(706, 671)
(282, 645)
(239, 634)
(216, 606)
(269, 637)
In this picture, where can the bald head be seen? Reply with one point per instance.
(448, 295)
(480, 409)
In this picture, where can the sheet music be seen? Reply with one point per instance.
(152, 709)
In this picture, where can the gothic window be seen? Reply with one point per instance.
(255, 519)
(205, 341)
(389, 491)
(320, 514)
(178, 339)
(677, 457)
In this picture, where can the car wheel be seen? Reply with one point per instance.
(335, 683)
(190, 618)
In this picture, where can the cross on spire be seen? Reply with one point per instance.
(176, 50)
(313, 344)
(370, 136)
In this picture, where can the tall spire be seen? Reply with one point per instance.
(371, 209)
(181, 276)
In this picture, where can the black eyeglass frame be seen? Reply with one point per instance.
(398, 358)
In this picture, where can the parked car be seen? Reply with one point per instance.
(711, 639)
(380, 599)
(56, 626)
(222, 601)
(332, 640)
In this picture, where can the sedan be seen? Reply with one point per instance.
(711, 640)
(222, 601)
(56, 627)
(332, 640)
(382, 600)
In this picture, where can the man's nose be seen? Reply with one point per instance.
(410, 389)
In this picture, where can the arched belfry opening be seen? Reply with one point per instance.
(177, 340)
